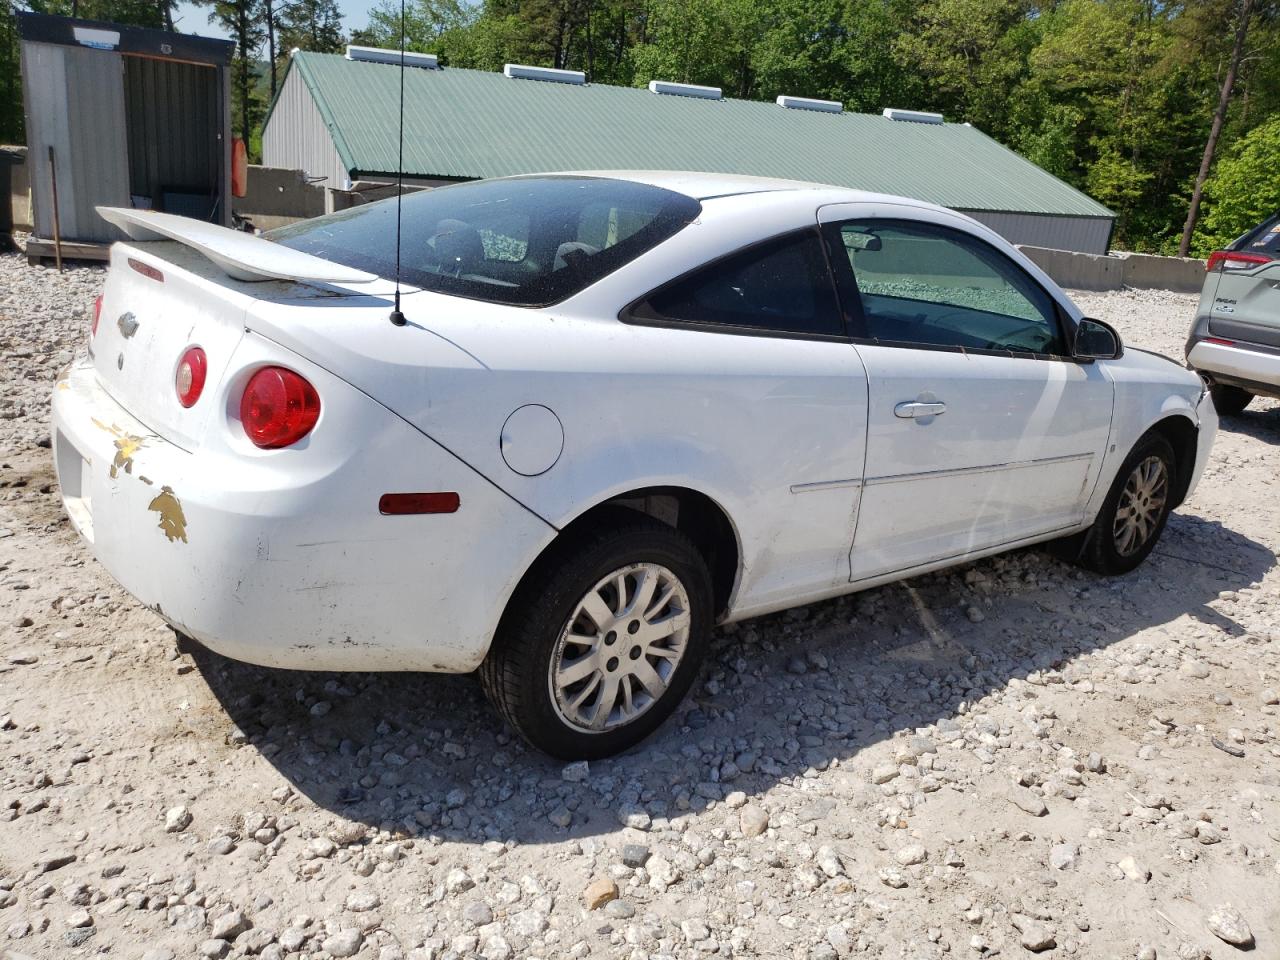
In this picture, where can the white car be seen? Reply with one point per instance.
(623, 407)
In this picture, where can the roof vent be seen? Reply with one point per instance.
(521, 72)
(380, 55)
(912, 116)
(684, 90)
(804, 103)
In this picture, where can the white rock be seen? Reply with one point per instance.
(1134, 870)
(362, 901)
(1063, 856)
(176, 819)
(344, 943)
(753, 821)
(912, 854)
(1229, 925)
(458, 880)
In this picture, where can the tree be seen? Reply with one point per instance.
(11, 114)
(269, 26)
(1215, 129)
(1244, 188)
(310, 25)
(242, 19)
(442, 27)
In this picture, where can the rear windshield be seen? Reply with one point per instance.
(530, 241)
(1264, 238)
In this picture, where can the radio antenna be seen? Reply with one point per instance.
(397, 317)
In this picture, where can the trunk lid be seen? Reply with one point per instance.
(154, 307)
(1245, 305)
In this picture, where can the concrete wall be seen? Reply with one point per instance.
(275, 196)
(1091, 271)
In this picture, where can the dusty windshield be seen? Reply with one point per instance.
(530, 241)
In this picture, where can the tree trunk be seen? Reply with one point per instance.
(243, 74)
(1219, 117)
(271, 46)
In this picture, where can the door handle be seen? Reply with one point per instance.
(919, 408)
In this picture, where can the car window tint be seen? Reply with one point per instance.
(1264, 238)
(528, 241)
(930, 285)
(782, 286)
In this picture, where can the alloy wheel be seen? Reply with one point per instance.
(1141, 505)
(620, 648)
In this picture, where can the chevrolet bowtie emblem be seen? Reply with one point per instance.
(128, 325)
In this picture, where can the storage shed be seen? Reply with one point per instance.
(335, 118)
(121, 116)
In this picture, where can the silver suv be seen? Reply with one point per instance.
(1235, 340)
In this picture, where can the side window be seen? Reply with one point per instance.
(924, 284)
(781, 286)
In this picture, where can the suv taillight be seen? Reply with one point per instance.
(279, 408)
(97, 312)
(1234, 260)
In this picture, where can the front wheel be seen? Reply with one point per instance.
(603, 639)
(1136, 509)
(1228, 400)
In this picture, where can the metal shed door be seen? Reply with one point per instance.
(76, 105)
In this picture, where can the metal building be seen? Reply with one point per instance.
(335, 118)
(121, 116)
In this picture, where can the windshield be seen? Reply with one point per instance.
(531, 241)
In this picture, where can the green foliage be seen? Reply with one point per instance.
(1244, 190)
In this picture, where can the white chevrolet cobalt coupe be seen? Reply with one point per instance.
(621, 408)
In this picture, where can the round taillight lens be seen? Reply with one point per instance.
(97, 312)
(279, 408)
(189, 380)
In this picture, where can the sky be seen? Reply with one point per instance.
(189, 18)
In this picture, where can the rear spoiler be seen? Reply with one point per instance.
(242, 256)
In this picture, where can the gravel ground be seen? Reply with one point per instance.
(1011, 757)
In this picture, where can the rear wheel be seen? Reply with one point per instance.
(1136, 509)
(1228, 400)
(602, 640)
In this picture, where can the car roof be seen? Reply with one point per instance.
(705, 186)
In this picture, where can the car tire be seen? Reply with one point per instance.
(1134, 514)
(1228, 400)
(554, 689)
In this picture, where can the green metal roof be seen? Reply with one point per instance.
(470, 124)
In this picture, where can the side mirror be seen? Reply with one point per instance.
(1096, 340)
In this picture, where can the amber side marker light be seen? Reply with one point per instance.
(402, 504)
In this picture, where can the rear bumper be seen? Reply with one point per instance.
(286, 561)
(1255, 370)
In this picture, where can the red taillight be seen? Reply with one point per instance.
(147, 270)
(1234, 260)
(189, 380)
(279, 408)
(97, 312)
